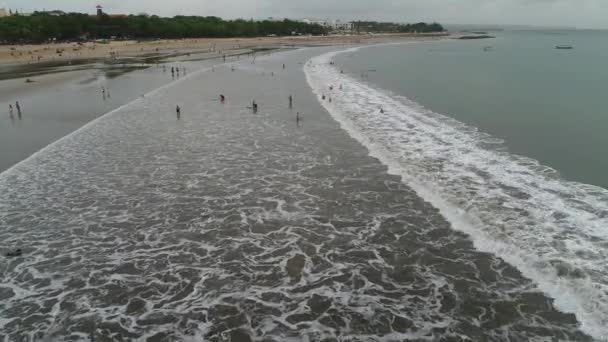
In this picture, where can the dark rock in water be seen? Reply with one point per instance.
(295, 266)
(483, 36)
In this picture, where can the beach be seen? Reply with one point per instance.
(82, 75)
(227, 224)
(19, 54)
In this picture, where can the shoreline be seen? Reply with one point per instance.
(303, 197)
(532, 266)
(20, 55)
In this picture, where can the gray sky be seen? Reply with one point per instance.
(579, 13)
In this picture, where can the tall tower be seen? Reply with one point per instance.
(99, 10)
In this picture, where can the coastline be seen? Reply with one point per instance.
(15, 55)
(288, 229)
(85, 77)
(557, 279)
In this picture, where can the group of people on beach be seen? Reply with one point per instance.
(11, 110)
(254, 105)
(331, 88)
(175, 70)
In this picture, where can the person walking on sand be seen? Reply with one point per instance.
(290, 101)
(178, 111)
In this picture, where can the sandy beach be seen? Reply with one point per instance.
(27, 54)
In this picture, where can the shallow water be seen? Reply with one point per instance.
(58, 104)
(229, 225)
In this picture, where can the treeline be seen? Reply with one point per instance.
(41, 27)
(374, 26)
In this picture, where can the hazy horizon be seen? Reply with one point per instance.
(540, 13)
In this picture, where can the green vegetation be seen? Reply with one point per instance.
(41, 27)
(374, 26)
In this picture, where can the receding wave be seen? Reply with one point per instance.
(554, 231)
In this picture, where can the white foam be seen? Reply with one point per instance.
(552, 230)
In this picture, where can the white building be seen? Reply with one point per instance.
(333, 25)
(3, 13)
(342, 25)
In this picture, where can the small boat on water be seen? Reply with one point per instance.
(564, 47)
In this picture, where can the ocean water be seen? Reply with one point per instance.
(544, 103)
(229, 225)
(464, 129)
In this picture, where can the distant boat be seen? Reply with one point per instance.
(487, 48)
(564, 47)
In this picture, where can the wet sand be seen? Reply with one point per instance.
(67, 97)
(28, 54)
(230, 225)
(66, 92)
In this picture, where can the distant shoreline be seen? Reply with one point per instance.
(15, 55)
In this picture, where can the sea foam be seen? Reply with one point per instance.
(552, 230)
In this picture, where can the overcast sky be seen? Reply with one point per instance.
(578, 13)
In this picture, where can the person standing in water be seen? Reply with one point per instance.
(10, 111)
(283, 66)
(222, 98)
(254, 107)
(290, 101)
(18, 108)
(178, 111)
(298, 118)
